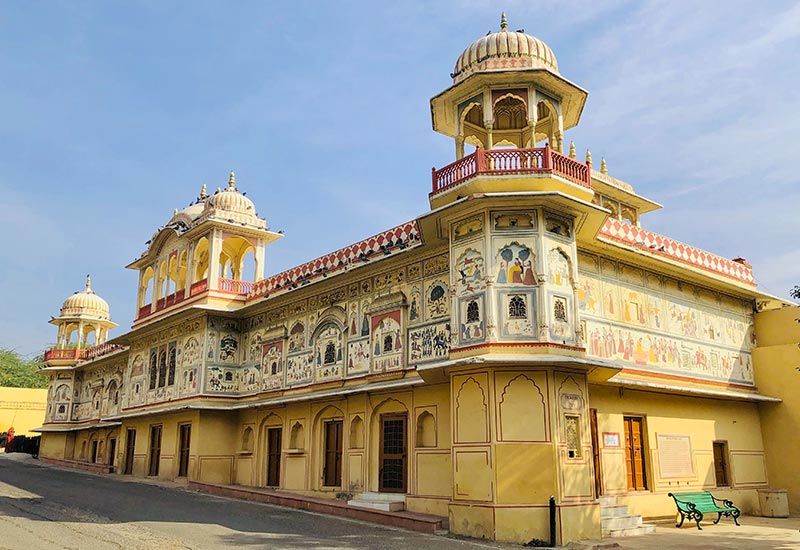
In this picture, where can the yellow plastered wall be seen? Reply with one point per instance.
(168, 463)
(704, 421)
(22, 408)
(776, 360)
(53, 445)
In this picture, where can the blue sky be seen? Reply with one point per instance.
(112, 114)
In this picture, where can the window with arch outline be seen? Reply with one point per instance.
(560, 310)
(330, 353)
(473, 312)
(153, 369)
(388, 343)
(517, 307)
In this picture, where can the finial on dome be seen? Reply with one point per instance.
(232, 181)
(572, 153)
(589, 158)
(175, 212)
(503, 21)
(603, 167)
(88, 283)
(203, 193)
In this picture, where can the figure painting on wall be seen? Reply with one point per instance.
(588, 294)
(515, 266)
(469, 272)
(437, 301)
(431, 342)
(227, 348)
(297, 338)
(386, 341)
(328, 351)
(358, 354)
(472, 327)
(212, 345)
(558, 267)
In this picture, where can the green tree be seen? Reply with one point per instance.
(18, 372)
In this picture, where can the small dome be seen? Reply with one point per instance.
(504, 51)
(85, 304)
(231, 200)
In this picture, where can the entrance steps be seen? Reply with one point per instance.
(617, 522)
(388, 502)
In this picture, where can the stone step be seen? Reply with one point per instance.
(620, 522)
(613, 511)
(644, 529)
(382, 497)
(607, 500)
(378, 505)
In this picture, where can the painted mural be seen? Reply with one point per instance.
(328, 352)
(387, 342)
(437, 299)
(358, 356)
(297, 338)
(518, 314)
(654, 329)
(470, 272)
(515, 265)
(429, 343)
(558, 271)
(561, 319)
(299, 369)
(271, 366)
(472, 319)
(228, 346)
(222, 380)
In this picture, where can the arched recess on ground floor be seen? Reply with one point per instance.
(388, 406)
(330, 413)
(259, 445)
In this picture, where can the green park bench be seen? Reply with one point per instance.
(694, 505)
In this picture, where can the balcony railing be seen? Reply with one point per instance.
(508, 162)
(73, 354)
(102, 349)
(235, 286)
(198, 287)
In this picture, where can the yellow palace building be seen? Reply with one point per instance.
(525, 337)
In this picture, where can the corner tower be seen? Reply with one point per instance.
(202, 255)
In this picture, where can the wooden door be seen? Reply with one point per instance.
(393, 456)
(155, 450)
(94, 452)
(721, 463)
(130, 447)
(598, 483)
(332, 469)
(635, 453)
(183, 449)
(112, 450)
(274, 456)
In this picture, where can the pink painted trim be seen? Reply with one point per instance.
(660, 245)
(398, 238)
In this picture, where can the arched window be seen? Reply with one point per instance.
(228, 376)
(473, 313)
(357, 433)
(517, 309)
(153, 369)
(247, 439)
(330, 353)
(388, 342)
(162, 369)
(560, 310)
(274, 368)
(426, 430)
(171, 375)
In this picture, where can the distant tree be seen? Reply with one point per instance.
(18, 372)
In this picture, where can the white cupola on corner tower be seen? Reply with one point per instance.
(83, 322)
(507, 91)
(202, 254)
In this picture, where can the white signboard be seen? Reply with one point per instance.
(675, 455)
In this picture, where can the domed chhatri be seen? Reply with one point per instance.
(84, 321)
(231, 200)
(85, 304)
(502, 51)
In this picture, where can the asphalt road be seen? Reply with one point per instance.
(47, 508)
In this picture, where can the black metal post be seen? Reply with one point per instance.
(553, 522)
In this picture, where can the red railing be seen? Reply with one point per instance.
(198, 287)
(235, 286)
(144, 311)
(510, 161)
(100, 350)
(71, 354)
